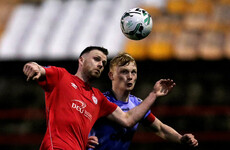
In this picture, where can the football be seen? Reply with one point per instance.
(136, 23)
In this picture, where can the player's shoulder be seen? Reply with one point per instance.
(55, 68)
(109, 95)
(96, 90)
(135, 99)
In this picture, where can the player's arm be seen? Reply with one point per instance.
(34, 71)
(168, 133)
(130, 118)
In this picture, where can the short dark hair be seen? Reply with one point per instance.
(90, 48)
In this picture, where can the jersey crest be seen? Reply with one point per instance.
(94, 99)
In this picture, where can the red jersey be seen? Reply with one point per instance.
(72, 107)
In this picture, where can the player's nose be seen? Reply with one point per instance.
(129, 76)
(100, 65)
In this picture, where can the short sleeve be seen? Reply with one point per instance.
(107, 107)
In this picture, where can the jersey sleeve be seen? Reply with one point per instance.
(53, 75)
(107, 107)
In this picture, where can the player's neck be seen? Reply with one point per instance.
(83, 78)
(121, 95)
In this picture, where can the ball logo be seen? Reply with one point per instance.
(94, 99)
(129, 24)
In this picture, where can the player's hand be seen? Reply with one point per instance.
(92, 141)
(163, 86)
(32, 70)
(189, 139)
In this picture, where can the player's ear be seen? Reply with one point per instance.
(80, 60)
(110, 74)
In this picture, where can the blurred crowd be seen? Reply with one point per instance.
(186, 30)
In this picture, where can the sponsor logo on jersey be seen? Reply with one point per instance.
(140, 100)
(74, 85)
(125, 109)
(80, 107)
(94, 99)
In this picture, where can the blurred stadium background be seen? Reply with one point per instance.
(190, 43)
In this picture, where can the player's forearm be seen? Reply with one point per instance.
(137, 113)
(169, 134)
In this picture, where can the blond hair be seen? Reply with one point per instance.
(121, 59)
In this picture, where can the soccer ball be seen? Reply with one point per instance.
(136, 23)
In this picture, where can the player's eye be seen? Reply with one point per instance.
(97, 58)
(134, 72)
(104, 63)
(124, 71)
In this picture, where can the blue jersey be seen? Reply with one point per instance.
(111, 135)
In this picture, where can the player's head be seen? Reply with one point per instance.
(123, 72)
(92, 61)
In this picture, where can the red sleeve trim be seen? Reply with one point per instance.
(149, 119)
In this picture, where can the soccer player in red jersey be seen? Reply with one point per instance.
(73, 105)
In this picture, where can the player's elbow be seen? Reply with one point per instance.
(128, 123)
(123, 118)
(130, 120)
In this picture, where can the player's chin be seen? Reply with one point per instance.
(96, 75)
(130, 88)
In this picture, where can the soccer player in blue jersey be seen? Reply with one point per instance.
(107, 135)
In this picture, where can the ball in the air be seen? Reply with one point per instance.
(136, 23)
